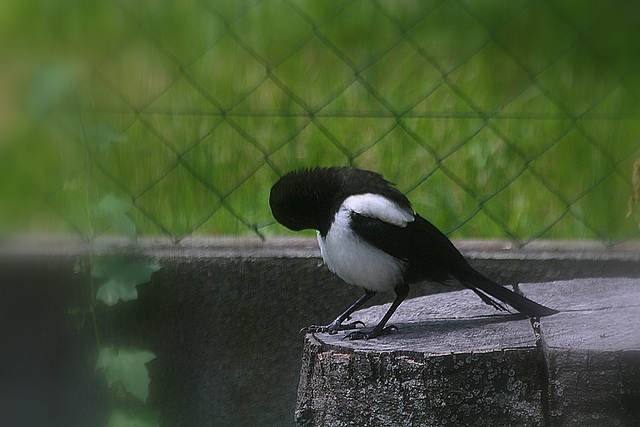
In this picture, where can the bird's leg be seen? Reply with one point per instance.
(402, 290)
(337, 325)
(490, 301)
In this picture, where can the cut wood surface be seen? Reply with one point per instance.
(456, 361)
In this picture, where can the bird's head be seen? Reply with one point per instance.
(310, 198)
(305, 198)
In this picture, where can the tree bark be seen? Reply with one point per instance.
(454, 361)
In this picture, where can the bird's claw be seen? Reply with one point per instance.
(332, 328)
(362, 335)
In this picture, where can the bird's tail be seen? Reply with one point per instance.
(490, 291)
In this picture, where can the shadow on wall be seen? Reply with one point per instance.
(224, 327)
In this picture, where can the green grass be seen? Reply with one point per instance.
(511, 120)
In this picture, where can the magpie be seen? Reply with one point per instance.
(370, 236)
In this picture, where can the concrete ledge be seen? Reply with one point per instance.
(538, 261)
(307, 247)
(222, 315)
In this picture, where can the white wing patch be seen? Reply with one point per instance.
(379, 207)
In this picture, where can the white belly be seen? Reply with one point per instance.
(357, 262)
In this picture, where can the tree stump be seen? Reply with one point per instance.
(456, 361)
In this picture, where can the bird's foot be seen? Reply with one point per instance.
(375, 332)
(332, 327)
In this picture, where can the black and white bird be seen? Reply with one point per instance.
(370, 236)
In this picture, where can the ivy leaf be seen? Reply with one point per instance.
(50, 85)
(115, 211)
(120, 278)
(127, 367)
(145, 418)
(104, 135)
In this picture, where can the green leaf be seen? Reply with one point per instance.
(146, 418)
(114, 211)
(120, 278)
(50, 85)
(127, 367)
(104, 135)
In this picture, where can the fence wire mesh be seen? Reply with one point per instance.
(498, 119)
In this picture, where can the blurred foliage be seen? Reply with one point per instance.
(499, 119)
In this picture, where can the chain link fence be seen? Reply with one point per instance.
(498, 119)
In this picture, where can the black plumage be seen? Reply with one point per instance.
(370, 236)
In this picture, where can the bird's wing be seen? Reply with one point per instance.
(430, 254)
